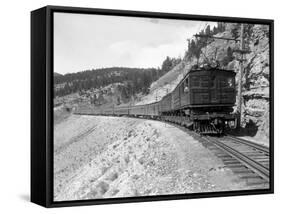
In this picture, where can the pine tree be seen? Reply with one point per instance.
(208, 30)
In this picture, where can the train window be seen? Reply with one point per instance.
(204, 82)
(185, 88)
(230, 82)
(195, 81)
(226, 82)
(212, 81)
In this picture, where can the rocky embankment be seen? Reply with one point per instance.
(105, 157)
(256, 82)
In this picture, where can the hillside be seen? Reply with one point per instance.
(139, 79)
(105, 87)
(165, 84)
(57, 74)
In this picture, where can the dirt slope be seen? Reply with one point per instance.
(104, 157)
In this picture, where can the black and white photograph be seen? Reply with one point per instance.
(159, 106)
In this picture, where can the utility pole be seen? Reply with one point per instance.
(240, 76)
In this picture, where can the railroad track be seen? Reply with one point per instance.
(249, 160)
(245, 158)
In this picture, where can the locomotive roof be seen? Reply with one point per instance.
(209, 69)
(204, 69)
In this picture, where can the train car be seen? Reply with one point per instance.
(176, 99)
(138, 110)
(166, 104)
(86, 110)
(153, 110)
(97, 111)
(120, 110)
(108, 111)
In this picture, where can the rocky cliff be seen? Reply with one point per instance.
(256, 82)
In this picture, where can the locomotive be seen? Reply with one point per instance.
(203, 100)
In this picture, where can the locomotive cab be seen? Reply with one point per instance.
(212, 96)
(212, 88)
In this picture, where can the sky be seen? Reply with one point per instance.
(83, 42)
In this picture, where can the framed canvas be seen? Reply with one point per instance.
(130, 106)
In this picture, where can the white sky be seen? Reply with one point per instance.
(84, 42)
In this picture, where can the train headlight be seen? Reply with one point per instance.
(231, 124)
(216, 121)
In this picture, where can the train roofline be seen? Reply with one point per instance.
(202, 69)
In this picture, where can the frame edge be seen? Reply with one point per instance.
(38, 188)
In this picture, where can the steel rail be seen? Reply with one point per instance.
(258, 168)
(249, 143)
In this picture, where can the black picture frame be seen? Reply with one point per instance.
(42, 104)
